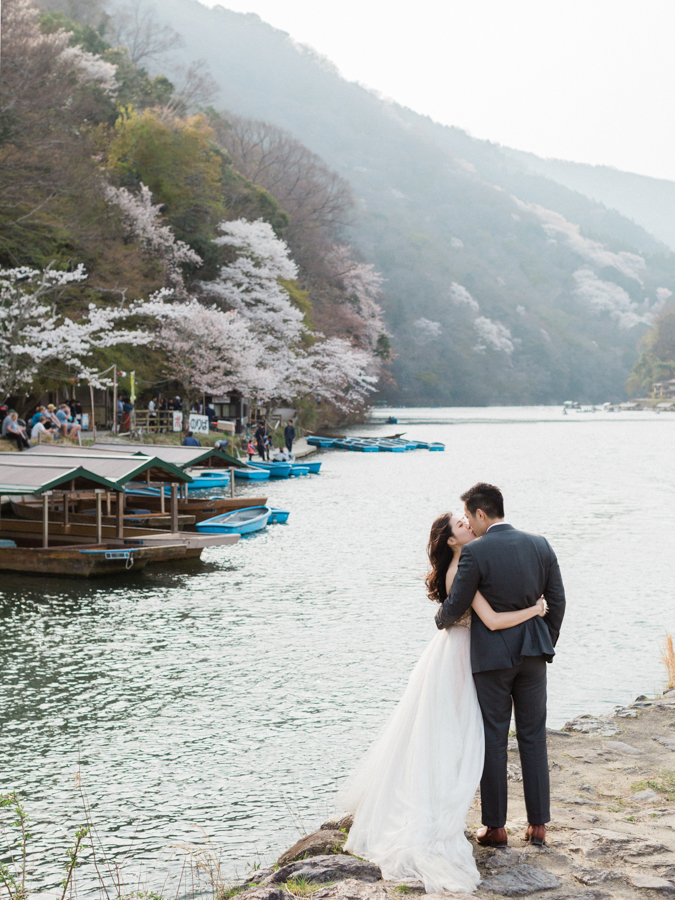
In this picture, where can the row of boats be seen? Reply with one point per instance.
(209, 479)
(395, 444)
(113, 509)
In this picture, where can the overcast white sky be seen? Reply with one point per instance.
(586, 80)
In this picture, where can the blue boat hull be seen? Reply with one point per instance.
(299, 470)
(276, 470)
(278, 516)
(252, 474)
(239, 521)
(204, 482)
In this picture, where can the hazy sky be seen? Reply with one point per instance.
(585, 80)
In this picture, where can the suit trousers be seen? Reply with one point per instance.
(522, 687)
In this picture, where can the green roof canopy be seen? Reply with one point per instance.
(16, 478)
(179, 456)
(183, 457)
(116, 469)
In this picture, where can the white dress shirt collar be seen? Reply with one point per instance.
(501, 522)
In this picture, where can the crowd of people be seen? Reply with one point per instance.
(55, 422)
(64, 421)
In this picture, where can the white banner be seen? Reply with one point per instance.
(177, 418)
(198, 424)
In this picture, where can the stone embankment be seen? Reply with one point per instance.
(612, 833)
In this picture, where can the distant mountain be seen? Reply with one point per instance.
(648, 201)
(503, 284)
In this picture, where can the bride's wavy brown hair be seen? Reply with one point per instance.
(440, 557)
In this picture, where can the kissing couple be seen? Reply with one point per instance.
(501, 604)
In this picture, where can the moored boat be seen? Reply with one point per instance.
(241, 521)
(201, 508)
(277, 516)
(204, 479)
(299, 470)
(87, 561)
(275, 469)
(248, 473)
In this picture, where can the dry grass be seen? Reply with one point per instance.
(668, 659)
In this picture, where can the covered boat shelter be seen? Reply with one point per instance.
(185, 457)
(181, 457)
(17, 479)
(116, 470)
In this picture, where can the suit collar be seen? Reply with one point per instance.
(497, 527)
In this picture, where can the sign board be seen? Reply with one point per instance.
(177, 419)
(198, 424)
(85, 421)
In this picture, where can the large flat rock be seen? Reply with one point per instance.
(600, 842)
(322, 869)
(265, 892)
(320, 843)
(520, 880)
(351, 889)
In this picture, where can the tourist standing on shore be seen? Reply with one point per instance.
(260, 440)
(289, 435)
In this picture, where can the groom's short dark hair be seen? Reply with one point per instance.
(486, 497)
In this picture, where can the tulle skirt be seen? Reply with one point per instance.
(411, 792)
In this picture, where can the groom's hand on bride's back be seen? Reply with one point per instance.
(554, 593)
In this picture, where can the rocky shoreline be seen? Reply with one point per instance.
(611, 835)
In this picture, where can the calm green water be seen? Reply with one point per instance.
(235, 695)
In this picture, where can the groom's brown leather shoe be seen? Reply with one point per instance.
(492, 837)
(536, 834)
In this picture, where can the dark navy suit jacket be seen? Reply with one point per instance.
(511, 569)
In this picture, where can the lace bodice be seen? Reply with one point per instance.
(464, 621)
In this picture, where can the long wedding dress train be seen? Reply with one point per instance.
(411, 792)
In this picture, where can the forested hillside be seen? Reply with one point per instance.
(126, 224)
(648, 201)
(502, 285)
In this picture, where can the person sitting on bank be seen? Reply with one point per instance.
(40, 413)
(16, 433)
(67, 428)
(38, 429)
(6, 421)
(190, 440)
(282, 455)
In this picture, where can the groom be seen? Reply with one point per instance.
(512, 570)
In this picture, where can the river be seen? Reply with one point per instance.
(226, 701)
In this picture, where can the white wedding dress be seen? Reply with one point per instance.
(411, 792)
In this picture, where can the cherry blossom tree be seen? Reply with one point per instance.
(334, 370)
(143, 221)
(253, 285)
(207, 350)
(33, 332)
(362, 286)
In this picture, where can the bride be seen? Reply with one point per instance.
(411, 792)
